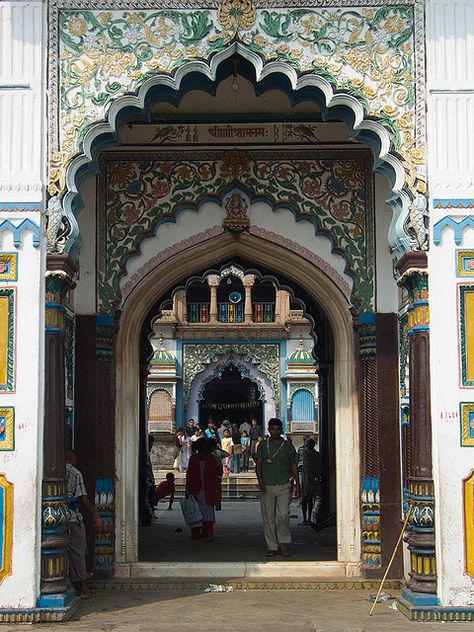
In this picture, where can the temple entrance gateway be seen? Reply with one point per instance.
(273, 201)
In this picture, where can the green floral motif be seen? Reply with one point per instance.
(330, 189)
(365, 51)
(266, 357)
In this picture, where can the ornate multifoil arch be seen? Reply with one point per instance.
(135, 310)
(376, 97)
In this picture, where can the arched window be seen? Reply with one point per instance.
(160, 412)
(302, 406)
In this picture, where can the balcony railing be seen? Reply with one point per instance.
(263, 312)
(198, 313)
(230, 312)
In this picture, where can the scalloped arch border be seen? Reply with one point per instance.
(335, 105)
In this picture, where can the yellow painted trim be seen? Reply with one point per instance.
(464, 254)
(7, 543)
(9, 442)
(468, 498)
(467, 440)
(469, 332)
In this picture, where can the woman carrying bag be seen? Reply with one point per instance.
(202, 483)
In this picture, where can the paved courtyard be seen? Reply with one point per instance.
(252, 611)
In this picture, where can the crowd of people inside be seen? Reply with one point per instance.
(239, 443)
(209, 455)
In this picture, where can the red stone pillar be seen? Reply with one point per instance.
(56, 589)
(421, 586)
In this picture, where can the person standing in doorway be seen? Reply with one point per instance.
(235, 461)
(190, 428)
(202, 482)
(311, 485)
(255, 434)
(79, 504)
(276, 464)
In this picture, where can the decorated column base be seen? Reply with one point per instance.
(42, 613)
(415, 606)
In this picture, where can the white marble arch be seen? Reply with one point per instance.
(322, 289)
(253, 373)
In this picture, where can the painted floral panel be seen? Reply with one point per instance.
(368, 52)
(331, 189)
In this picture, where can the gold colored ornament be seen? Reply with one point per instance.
(236, 15)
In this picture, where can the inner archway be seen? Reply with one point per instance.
(318, 285)
(231, 396)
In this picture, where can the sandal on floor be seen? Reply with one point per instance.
(270, 553)
(285, 551)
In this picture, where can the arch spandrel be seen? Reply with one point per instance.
(361, 64)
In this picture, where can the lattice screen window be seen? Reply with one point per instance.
(160, 406)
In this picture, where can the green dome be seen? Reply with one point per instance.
(301, 356)
(162, 358)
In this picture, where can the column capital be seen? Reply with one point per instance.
(60, 272)
(248, 280)
(213, 280)
(413, 271)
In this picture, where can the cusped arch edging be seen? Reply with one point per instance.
(334, 105)
(291, 246)
(213, 369)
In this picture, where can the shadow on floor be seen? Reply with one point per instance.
(238, 537)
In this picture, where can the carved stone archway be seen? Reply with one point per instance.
(166, 275)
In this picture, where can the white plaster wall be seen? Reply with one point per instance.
(451, 175)
(22, 167)
(21, 101)
(23, 466)
(85, 292)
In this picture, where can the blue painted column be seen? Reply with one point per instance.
(56, 590)
(370, 467)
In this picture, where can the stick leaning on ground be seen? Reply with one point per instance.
(391, 559)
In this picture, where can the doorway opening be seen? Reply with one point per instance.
(231, 397)
(280, 366)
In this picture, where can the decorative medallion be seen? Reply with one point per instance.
(6, 527)
(467, 424)
(465, 263)
(7, 429)
(8, 266)
(236, 208)
(236, 15)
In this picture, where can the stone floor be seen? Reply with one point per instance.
(238, 537)
(239, 611)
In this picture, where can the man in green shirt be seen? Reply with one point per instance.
(276, 465)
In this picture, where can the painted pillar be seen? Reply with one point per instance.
(248, 281)
(370, 467)
(105, 446)
(420, 535)
(213, 282)
(55, 585)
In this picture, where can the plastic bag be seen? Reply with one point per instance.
(191, 512)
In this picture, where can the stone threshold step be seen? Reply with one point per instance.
(288, 583)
